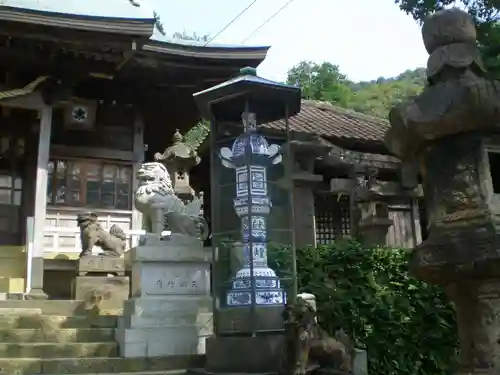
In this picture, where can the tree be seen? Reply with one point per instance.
(325, 82)
(321, 82)
(483, 11)
(486, 14)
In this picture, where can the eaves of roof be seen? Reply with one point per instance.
(120, 17)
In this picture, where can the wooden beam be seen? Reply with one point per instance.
(54, 63)
(32, 101)
(159, 62)
(92, 152)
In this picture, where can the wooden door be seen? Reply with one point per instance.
(13, 169)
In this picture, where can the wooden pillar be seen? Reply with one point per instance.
(36, 291)
(137, 219)
(305, 218)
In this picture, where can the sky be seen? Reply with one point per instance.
(366, 38)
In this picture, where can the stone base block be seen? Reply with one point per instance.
(96, 289)
(151, 312)
(239, 320)
(98, 264)
(261, 354)
(159, 342)
(164, 326)
(202, 371)
(360, 362)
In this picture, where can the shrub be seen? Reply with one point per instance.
(406, 326)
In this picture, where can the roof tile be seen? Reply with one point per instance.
(332, 122)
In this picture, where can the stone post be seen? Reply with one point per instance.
(305, 153)
(450, 128)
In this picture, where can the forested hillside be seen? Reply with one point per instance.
(325, 82)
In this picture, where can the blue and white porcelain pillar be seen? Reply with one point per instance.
(244, 170)
(250, 157)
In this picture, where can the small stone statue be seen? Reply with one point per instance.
(92, 234)
(156, 199)
(307, 347)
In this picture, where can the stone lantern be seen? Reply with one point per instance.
(451, 129)
(179, 158)
(372, 202)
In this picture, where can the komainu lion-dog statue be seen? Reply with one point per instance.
(155, 194)
(308, 348)
(92, 234)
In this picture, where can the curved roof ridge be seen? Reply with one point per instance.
(157, 37)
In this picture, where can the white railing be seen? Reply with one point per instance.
(74, 232)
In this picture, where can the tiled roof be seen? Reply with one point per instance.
(332, 122)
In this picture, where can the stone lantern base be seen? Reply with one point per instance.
(235, 351)
(373, 231)
(261, 354)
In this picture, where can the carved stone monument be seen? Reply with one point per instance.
(101, 277)
(170, 309)
(451, 128)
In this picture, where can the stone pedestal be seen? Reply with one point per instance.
(101, 278)
(374, 223)
(170, 312)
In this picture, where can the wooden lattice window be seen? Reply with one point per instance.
(333, 220)
(92, 184)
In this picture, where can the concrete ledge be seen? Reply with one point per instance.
(62, 335)
(173, 248)
(49, 322)
(57, 350)
(61, 307)
(98, 365)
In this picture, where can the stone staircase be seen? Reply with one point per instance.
(61, 337)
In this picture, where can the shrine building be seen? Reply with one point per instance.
(86, 97)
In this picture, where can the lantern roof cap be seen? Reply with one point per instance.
(269, 100)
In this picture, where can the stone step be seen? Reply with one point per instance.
(136, 366)
(53, 350)
(61, 307)
(62, 335)
(36, 321)
(170, 372)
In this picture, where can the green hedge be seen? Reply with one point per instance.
(406, 326)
